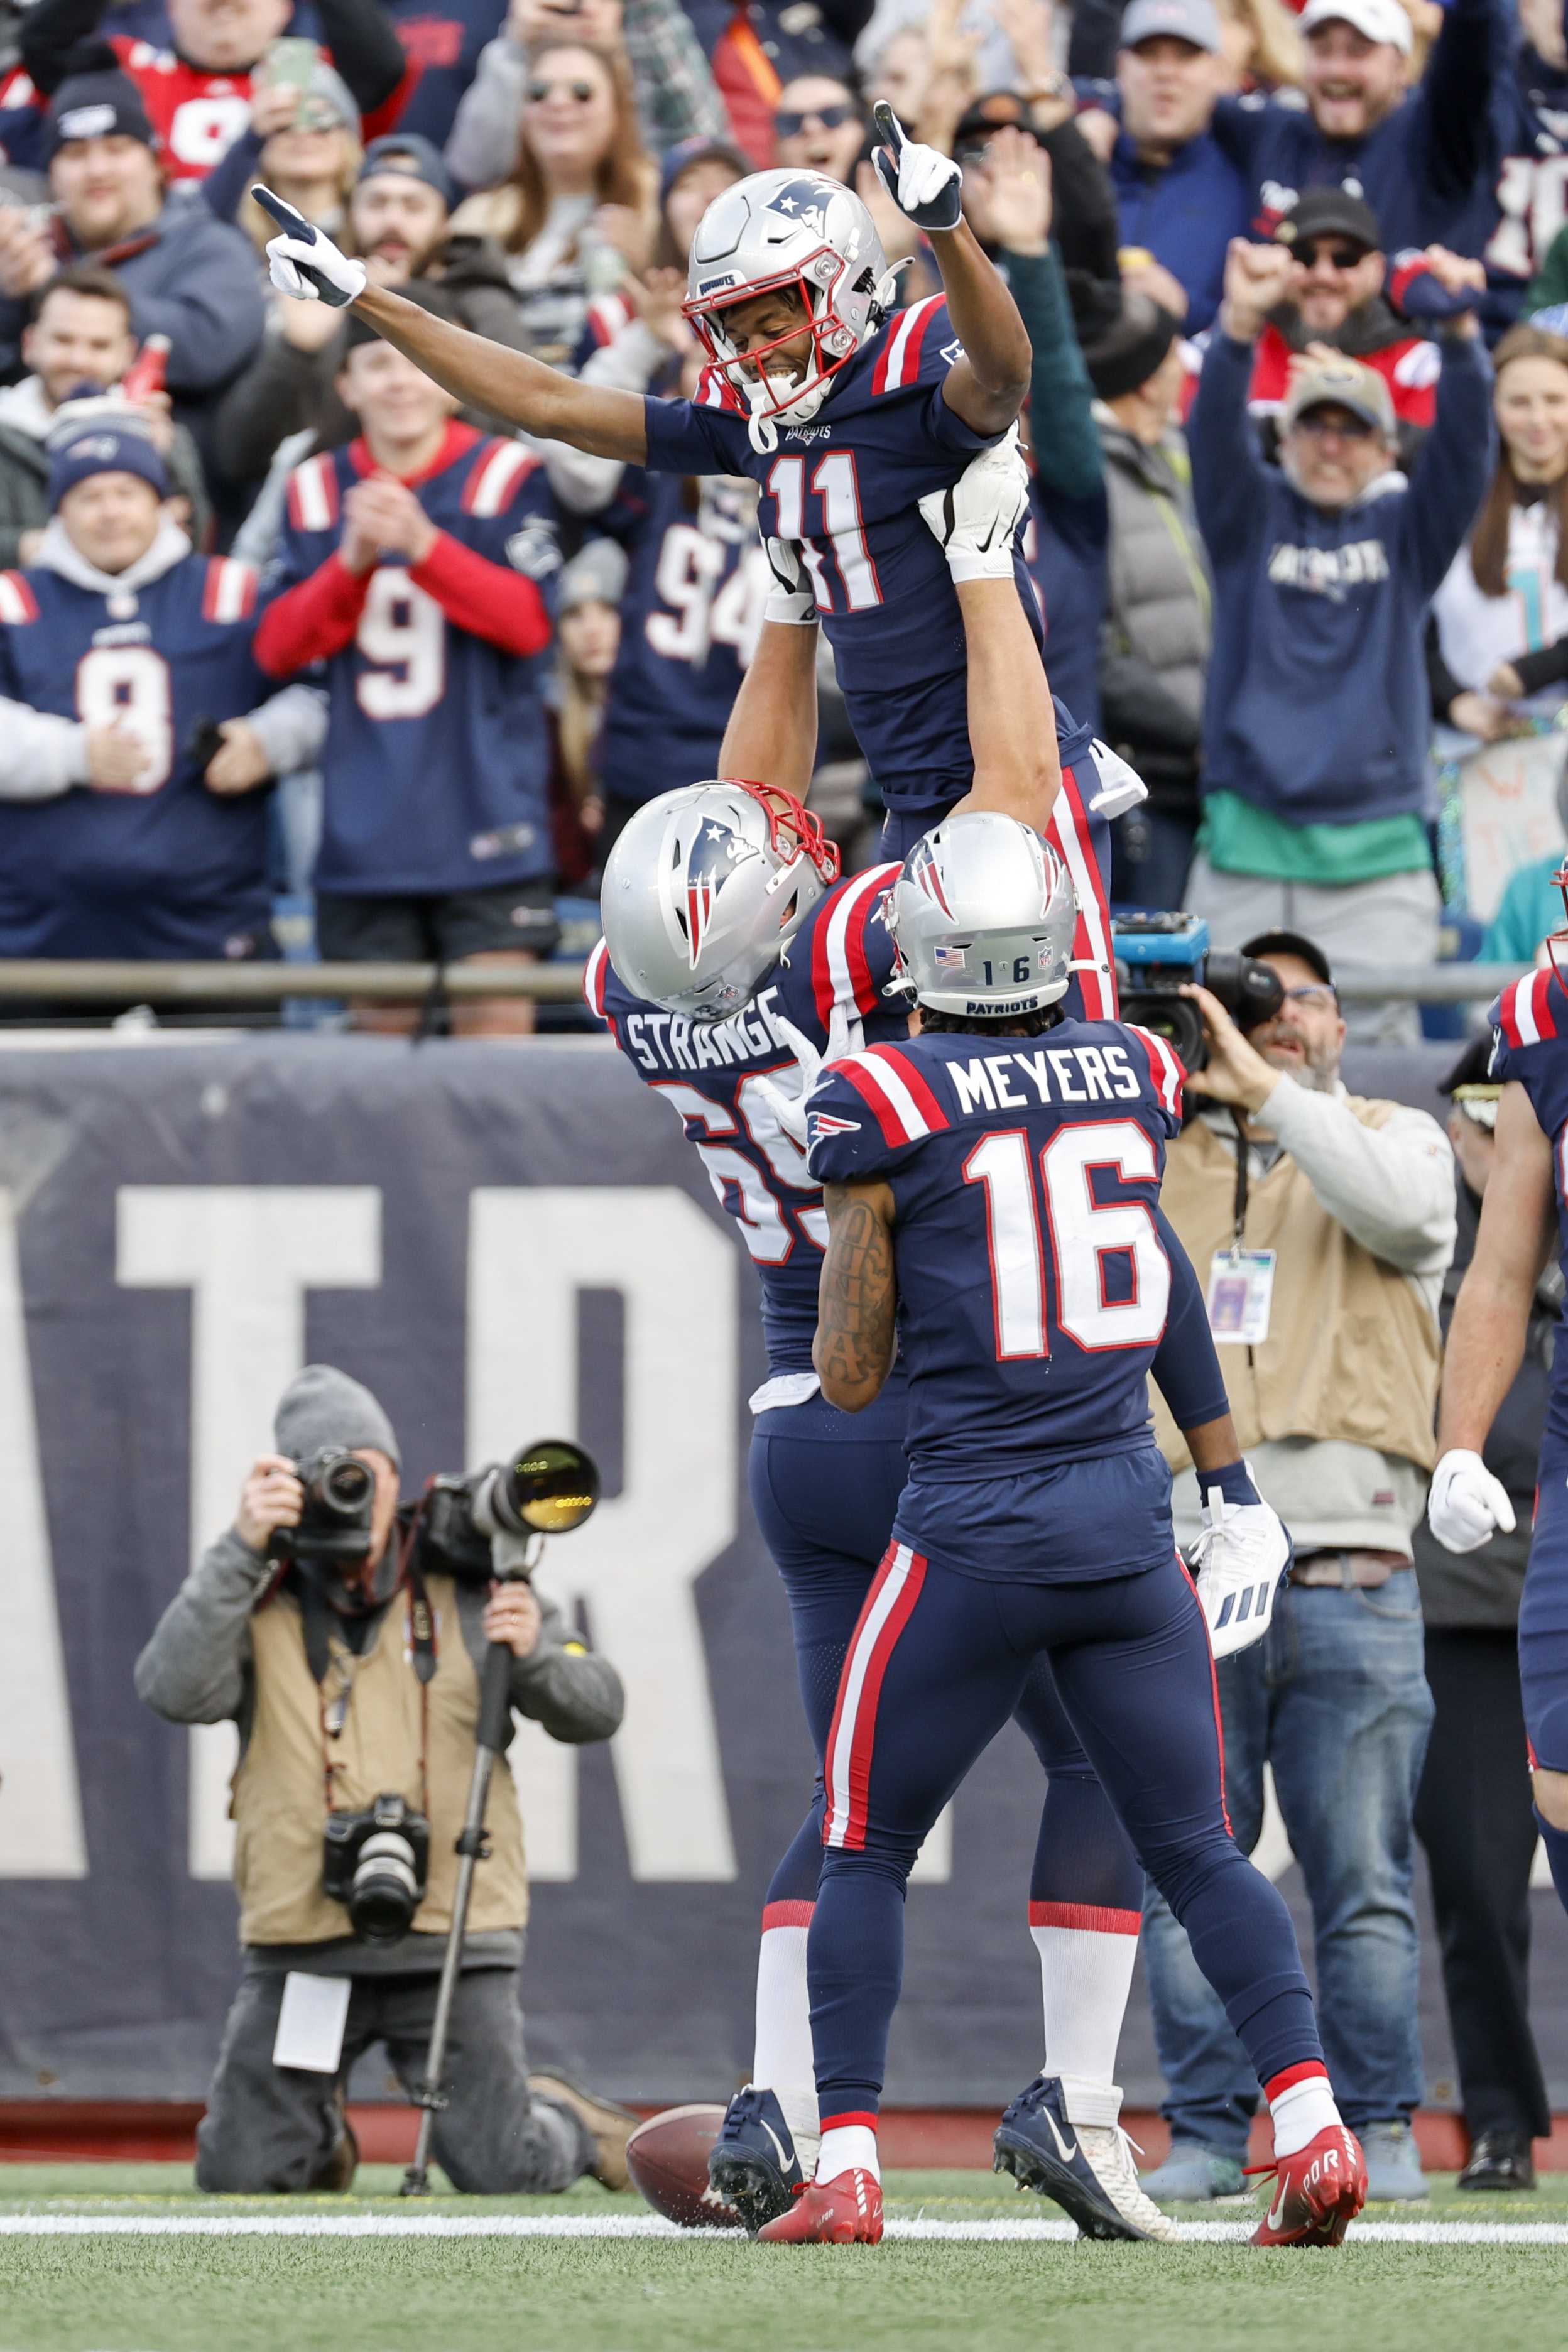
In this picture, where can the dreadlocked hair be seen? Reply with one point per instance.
(967, 1025)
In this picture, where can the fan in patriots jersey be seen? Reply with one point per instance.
(993, 1183)
(1524, 1212)
(123, 831)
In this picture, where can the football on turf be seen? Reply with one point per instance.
(668, 2158)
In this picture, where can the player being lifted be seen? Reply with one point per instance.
(992, 1192)
(852, 417)
(1524, 1208)
(727, 940)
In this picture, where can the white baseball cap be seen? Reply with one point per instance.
(1374, 20)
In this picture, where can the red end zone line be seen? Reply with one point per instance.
(151, 2131)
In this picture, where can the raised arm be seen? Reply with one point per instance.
(1230, 479)
(857, 1298)
(772, 735)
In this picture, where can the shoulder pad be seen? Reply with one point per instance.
(915, 340)
(844, 952)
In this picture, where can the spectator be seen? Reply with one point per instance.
(818, 126)
(1315, 725)
(981, 24)
(1502, 611)
(757, 45)
(579, 210)
(1525, 208)
(304, 143)
(410, 565)
(1336, 298)
(120, 835)
(588, 630)
(1325, 1247)
(1083, 207)
(189, 277)
(1473, 1812)
(1154, 637)
(676, 95)
(197, 92)
(79, 338)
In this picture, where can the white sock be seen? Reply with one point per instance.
(848, 2148)
(782, 2061)
(1087, 1955)
(1302, 2108)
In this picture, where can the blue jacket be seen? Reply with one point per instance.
(1317, 707)
(1184, 213)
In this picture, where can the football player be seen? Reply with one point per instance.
(993, 1183)
(1526, 1205)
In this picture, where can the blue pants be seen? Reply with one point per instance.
(1544, 1622)
(939, 1662)
(824, 1488)
(1335, 1699)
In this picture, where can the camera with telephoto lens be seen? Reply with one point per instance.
(374, 1863)
(334, 1525)
(545, 1489)
(1159, 955)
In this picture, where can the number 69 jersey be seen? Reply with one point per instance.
(1029, 1251)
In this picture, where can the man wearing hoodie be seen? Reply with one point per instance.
(372, 1667)
(1316, 714)
(137, 726)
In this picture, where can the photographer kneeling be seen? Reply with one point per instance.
(356, 1685)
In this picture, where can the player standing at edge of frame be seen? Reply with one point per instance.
(993, 1196)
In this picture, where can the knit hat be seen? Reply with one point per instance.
(1123, 350)
(327, 100)
(322, 1406)
(412, 157)
(596, 575)
(102, 104)
(106, 446)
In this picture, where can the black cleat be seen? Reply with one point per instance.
(753, 2165)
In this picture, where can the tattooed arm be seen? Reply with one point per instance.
(855, 1305)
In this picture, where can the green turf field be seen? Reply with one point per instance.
(223, 2291)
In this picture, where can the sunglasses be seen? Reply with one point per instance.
(1352, 428)
(1338, 257)
(1312, 993)
(832, 117)
(583, 91)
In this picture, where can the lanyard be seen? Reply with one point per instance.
(1242, 1154)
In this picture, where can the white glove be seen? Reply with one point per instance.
(303, 262)
(1120, 787)
(844, 1036)
(1239, 1559)
(977, 518)
(1467, 1504)
(792, 597)
(926, 186)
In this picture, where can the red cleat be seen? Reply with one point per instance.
(1318, 2192)
(844, 2211)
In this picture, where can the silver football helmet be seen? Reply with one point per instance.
(983, 917)
(705, 889)
(799, 229)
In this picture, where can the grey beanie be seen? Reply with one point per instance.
(322, 1406)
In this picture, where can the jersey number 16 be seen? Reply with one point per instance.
(1080, 1233)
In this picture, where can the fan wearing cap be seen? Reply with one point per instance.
(124, 829)
(1316, 713)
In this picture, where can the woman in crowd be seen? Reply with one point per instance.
(578, 213)
(588, 637)
(305, 145)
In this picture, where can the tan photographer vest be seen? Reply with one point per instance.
(1353, 1351)
(279, 1800)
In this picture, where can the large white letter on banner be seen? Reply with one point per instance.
(635, 1564)
(40, 1803)
(247, 1254)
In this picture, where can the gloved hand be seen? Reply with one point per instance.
(977, 518)
(1467, 1504)
(792, 597)
(305, 263)
(1239, 1561)
(926, 186)
(844, 1036)
(1120, 788)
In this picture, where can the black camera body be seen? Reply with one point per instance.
(1159, 955)
(376, 1863)
(334, 1525)
(545, 1489)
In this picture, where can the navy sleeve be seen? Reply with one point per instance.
(1186, 1362)
(949, 433)
(1455, 465)
(1451, 110)
(685, 440)
(1240, 126)
(1231, 484)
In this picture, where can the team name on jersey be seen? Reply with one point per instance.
(668, 1040)
(1049, 1074)
(1328, 570)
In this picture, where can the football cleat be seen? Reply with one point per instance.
(1087, 2172)
(753, 2165)
(844, 2211)
(1318, 2191)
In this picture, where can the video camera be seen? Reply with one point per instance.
(1159, 955)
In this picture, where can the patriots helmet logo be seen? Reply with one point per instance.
(923, 870)
(805, 201)
(710, 860)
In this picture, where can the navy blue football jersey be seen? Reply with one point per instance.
(707, 1071)
(167, 868)
(1530, 1045)
(1032, 1281)
(846, 489)
(689, 622)
(437, 754)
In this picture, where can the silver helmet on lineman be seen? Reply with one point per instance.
(983, 917)
(795, 229)
(705, 889)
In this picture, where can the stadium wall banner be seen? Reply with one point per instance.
(505, 1242)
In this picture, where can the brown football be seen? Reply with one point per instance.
(668, 2158)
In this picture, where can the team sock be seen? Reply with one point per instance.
(782, 2061)
(1302, 2102)
(849, 2147)
(1556, 1844)
(1087, 1955)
